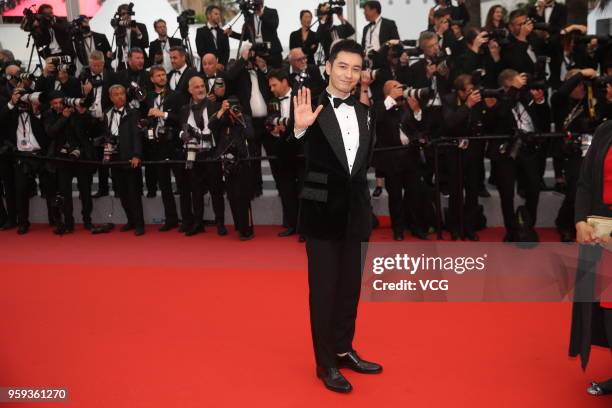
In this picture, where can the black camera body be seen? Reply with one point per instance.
(334, 7)
(30, 17)
(186, 18)
(275, 120)
(261, 50)
(249, 7)
(120, 25)
(136, 92)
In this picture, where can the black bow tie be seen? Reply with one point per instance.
(350, 101)
(283, 98)
(120, 112)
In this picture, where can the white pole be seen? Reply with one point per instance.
(351, 11)
(72, 9)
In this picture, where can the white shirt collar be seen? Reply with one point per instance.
(210, 26)
(182, 69)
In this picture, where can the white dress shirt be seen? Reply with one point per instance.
(522, 118)
(259, 109)
(176, 77)
(114, 119)
(373, 35)
(26, 141)
(96, 107)
(165, 47)
(191, 121)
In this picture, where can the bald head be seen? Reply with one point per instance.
(209, 64)
(297, 59)
(197, 90)
(12, 69)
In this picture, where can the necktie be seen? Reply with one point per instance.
(350, 101)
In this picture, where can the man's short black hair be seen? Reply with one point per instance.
(441, 13)
(304, 12)
(373, 4)
(42, 7)
(135, 50)
(180, 49)
(279, 74)
(351, 46)
(211, 8)
(517, 13)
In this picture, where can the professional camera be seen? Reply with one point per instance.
(77, 30)
(330, 7)
(30, 17)
(109, 145)
(301, 79)
(27, 97)
(457, 22)
(120, 24)
(442, 56)
(423, 95)
(184, 19)
(69, 152)
(477, 77)
(75, 102)
(275, 120)
(499, 35)
(261, 50)
(542, 26)
(136, 92)
(578, 143)
(218, 84)
(61, 60)
(249, 6)
(195, 141)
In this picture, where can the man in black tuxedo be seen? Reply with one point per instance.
(51, 36)
(523, 46)
(135, 36)
(88, 42)
(210, 73)
(162, 139)
(159, 49)
(260, 27)
(59, 79)
(335, 211)
(178, 78)
(379, 30)
(301, 73)
(211, 38)
(124, 136)
(8, 213)
(327, 32)
(96, 80)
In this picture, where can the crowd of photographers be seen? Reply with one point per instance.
(442, 104)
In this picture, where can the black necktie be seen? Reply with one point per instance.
(350, 101)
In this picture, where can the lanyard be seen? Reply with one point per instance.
(372, 29)
(24, 118)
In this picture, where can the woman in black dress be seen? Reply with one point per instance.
(305, 38)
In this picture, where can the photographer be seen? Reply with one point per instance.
(379, 30)
(482, 54)
(211, 38)
(463, 118)
(25, 125)
(200, 144)
(212, 76)
(59, 78)
(233, 130)
(575, 110)
(51, 36)
(178, 78)
(523, 46)
(12, 76)
(129, 34)
(327, 32)
(517, 111)
(247, 80)
(159, 49)
(388, 67)
(134, 79)
(260, 26)
(162, 141)
(301, 73)
(86, 41)
(401, 168)
(457, 13)
(123, 142)
(71, 131)
(442, 27)
(8, 205)
(304, 38)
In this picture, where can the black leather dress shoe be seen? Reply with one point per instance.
(8, 225)
(138, 231)
(23, 229)
(168, 227)
(398, 235)
(352, 361)
(221, 230)
(288, 232)
(247, 237)
(194, 230)
(420, 235)
(126, 227)
(599, 389)
(472, 236)
(184, 228)
(334, 380)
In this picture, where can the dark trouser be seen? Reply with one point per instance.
(506, 172)
(25, 173)
(7, 181)
(405, 202)
(84, 179)
(127, 182)
(334, 281)
(151, 172)
(192, 195)
(290, 176)
(240, 199)
(213, 176)
(165, 185)
(464, 168)
(103, 175)
(255, 144)
(565, 218)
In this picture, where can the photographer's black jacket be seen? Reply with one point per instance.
(36, 121)
(130, 137)
(156, 48)
(77, 131)
(239, 82)
(231, 138)
(205, 43)
(469, 61)
(324, 34)
(100, 43)
(61, 31)
(335, 204)
(172, 103)
(388, 31)
(314, 82)
(142, 43)
(211, 107)
(515, 56)
(460, 121)
(108, 79)
(71, 88)
(269, 25)
(562, 105)
(417, 78)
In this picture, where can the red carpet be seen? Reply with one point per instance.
(169, 321)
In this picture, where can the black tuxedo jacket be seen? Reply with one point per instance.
(183, 84)
(108, 79)
(388, 31)
(335, 204)
(62, 36)
(514, 53)
(71, 88)
(156, 48)
(315, 81)
(309, 46)
(38, 128)
(130, 136)
(239, 82)
(269, 25)
(205, 43)
(417, 78)
(324, 34)
(100, 43)
(142, 43)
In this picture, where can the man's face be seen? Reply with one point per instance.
(136, 61)
(214, 17)
(516, 24)
(125, 15)
(431, 47)
(278, 88)
(161, 29)
(299, 62)
(96, 66)
(197, 90)
(62, 75)
(345, 71)
(468, 87)
(177, 60)
(159, 78)
(118, 97)
(57, 104)
(48, 11)
(209, 63)
(442, 23)
(370, 14)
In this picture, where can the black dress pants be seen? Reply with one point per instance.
(84, 178)
(127, 182)
(165, 185)
(465, 169)
(8, 206)
(239, 198)
(25, 173)
(565, 218)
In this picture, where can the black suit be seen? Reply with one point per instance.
(71, 88)
(269, 24)
(515, 55)
(61, 32)
(388, 31)
(155, 48)
(314, 80)
(327, 32)
(142, 43)
(335, 216)
(205, 44)
(183, 84)
(8, 214)
(128, 180)
(100, 43)
(309, 46)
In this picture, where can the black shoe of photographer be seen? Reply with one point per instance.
(286, 233)
(168, 226)
(353, 362)
(472, 236)
(127, 227)
(246, 237)
(8, 225)
(221, 230)
(194, 230)
(23, 229)
(333, 379)
(183, 228)
(398, 236)
(138, 231)
(598, 389)
(100, 193)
